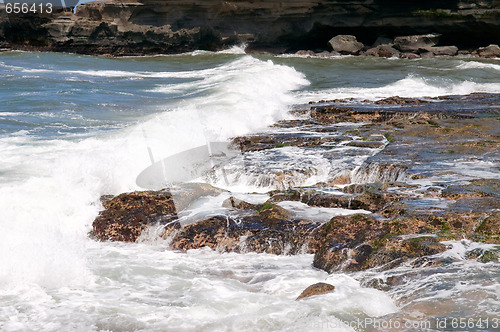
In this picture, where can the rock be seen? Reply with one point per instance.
(305, 53)
(238, 204)
(408, 55)
(415, 42)
(464, 52)
(365, 243)
(153, 26)
(489, 228)
(443, 50)
(386, 51)
(346, 44)
(326, 54)
(271, 212)
(491, 51)
(396, 100)
(367, 199)
(342, 242)
(426, 55)
(406, 226)
(483, 256)
(319, 288)
(127, 215)
(247, 234)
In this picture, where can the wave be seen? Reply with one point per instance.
(478, 65)
(50, 189)
(411, 86)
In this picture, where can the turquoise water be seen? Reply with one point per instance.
(73, 128)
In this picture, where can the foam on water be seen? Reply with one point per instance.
(143, 287)
(53, 278)
(478, 65)
(459, 288)
(51, 189)
(302, 210)
(412, 86)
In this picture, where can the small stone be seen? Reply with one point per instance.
(317, 289)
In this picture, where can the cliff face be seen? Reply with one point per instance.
(166, 26)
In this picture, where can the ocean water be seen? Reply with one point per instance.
(73, 128)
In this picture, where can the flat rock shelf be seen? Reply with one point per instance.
(431, 175)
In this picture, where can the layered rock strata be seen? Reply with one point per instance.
(153, 26)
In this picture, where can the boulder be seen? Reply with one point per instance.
(127, 215)
(386, 51)
(427, 55)
(443, 50)
(415, 42)
(346, 44)
(319, 288)
(491, 51)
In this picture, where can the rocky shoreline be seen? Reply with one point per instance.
(146, 27)
(433, 178)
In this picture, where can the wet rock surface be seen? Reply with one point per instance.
(429, 174)
(319, 288)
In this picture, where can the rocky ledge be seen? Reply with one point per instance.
(433, 177)
(134, 27)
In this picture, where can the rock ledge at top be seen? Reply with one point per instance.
(172, 26)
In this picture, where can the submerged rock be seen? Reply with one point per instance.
(273, 235)
(319, 288)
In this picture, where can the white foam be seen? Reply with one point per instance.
(301, 210)
(50, 189)
(459, 249)
(412, 86)
(478, 65)
(236, 49)
(145, 288)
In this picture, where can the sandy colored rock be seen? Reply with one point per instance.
(346, 44)
(319, 288)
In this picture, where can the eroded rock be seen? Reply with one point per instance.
(346, 44)
(319, 288)
(491, 51)
(415, 42)
(127, 215)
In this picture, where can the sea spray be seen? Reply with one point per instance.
(51, 188)
(53, 170)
